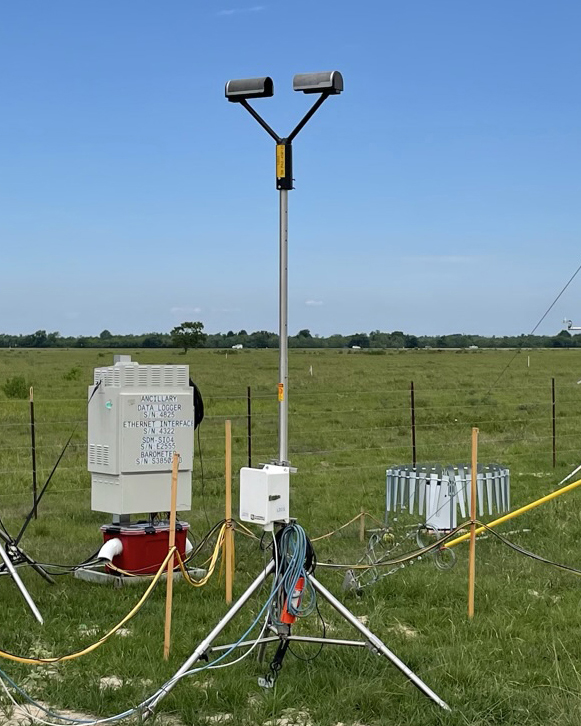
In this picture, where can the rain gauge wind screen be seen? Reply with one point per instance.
(436, 492)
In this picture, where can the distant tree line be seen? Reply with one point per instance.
(195, 338)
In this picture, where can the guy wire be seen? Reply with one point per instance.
(548, 310)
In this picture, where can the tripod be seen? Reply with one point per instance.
(371, 640)
(11, 554)
(16, 577)
(17, 555)
(11, 550)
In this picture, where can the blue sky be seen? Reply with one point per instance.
(439, 193)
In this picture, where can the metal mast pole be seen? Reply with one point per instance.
(283, 332)
(239, 91)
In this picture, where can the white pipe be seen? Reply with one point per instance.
(110, 549)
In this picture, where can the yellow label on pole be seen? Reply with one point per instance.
(281, 391)
(280, 160)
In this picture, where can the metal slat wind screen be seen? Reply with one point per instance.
(436, 491)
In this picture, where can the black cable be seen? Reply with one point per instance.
(203, 489)
(92, 560)
(46, 567)
(3, 528)
(318, 653)
(198, 404)
(205, 539)
(526, 553)
(198, 418)
(88, 561)
(70, 568)
(406, 557)
(551, 306)
(261, 546)
(55, 467)
(5, 573)
(67, 569)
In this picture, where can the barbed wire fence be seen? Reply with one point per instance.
(338, 436)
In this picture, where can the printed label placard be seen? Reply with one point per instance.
(153, 426)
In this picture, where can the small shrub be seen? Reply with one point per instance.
(16, 387)
(376, 351)
(73, 374)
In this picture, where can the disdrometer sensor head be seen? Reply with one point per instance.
(245, 88)
(329, 82)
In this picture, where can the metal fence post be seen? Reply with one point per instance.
(413, 415)
(554, 414)
(249, 423)
(33, 451)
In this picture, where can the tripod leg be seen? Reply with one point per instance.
(11, 546)
(18, 581)
(376, 642)
(39, 569)
(260, 653)
(205, 644)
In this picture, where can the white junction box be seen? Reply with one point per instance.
(138, 417)
(264, 494)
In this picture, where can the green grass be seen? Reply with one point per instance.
(518, 662)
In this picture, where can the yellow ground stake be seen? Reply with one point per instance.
(521, 510)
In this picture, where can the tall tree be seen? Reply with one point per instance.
(188, 335)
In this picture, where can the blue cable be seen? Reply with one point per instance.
(293, 547)
(277, 584)
(293, 551)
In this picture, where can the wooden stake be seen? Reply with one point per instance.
(362, 525)
(170, 564)
(229, 535)
(472, 552)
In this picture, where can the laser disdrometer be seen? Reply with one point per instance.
(139, 415)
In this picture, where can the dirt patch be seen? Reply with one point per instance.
(291, 717)
(403, 629)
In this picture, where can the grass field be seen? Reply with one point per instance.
(518, 662)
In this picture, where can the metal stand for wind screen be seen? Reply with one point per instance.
(325, 84)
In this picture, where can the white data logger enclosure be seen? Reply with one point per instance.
(264, 495)
(138, 417)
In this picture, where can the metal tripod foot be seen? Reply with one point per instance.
(377, 643)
